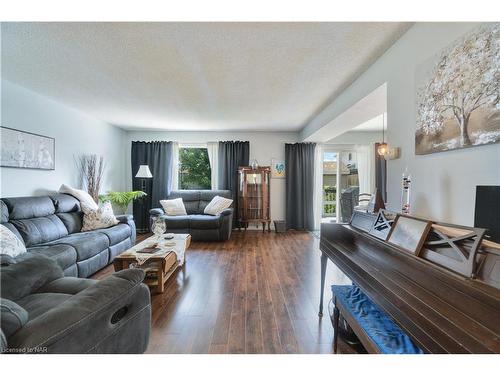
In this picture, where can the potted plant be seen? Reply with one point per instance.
(122, 199)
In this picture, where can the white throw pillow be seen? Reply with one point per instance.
(173, 207)
(102, 217)
(81, 195)
(10, 244)
(217, 205)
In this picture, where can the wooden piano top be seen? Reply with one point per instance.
(441, 311)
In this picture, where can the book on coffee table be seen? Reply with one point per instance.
(149, 250)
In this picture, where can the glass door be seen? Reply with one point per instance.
(330, 186)
(340, 185)
(348, 185)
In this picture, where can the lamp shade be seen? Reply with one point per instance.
(382, 149)
(144, 172)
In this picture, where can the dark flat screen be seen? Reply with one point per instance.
(487, 213)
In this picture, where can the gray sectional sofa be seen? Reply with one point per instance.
(45, 312)
(51, 226)
(201, 227)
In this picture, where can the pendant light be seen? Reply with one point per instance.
(383, 147)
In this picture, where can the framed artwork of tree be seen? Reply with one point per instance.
(458, 94)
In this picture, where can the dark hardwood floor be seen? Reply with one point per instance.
(257, 293)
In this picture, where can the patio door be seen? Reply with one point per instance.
(340, 184)
(330, 186)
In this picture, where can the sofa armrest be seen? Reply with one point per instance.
(226, 224)
(156, 212)
(129, 220)
(124, 218)
(227, 212)
(28, 274)
(113, 315)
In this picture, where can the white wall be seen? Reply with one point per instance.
(263, 147)
(443, 183)
(75, 133)
(356, 137)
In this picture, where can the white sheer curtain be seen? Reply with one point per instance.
(365, 155)
(213, 156)
(175, 166)
(318, 185)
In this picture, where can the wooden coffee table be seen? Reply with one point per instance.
(158, 266)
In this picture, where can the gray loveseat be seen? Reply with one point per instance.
(45, 312)
(51, 225)
(201, 227)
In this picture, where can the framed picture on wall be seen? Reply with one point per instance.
(22, 149)
(453, 112)
(277, 168)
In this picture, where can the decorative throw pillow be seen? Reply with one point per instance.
(173, 207)
(81, 195)
(102, 217)
(217, 205)
(10, 244)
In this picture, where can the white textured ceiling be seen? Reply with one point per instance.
(194, 76)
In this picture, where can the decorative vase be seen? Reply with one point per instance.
(158, 227)
(254, 164)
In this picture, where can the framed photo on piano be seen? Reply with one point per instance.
(409, 233)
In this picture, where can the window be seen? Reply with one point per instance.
(194, 168)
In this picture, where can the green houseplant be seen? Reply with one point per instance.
(122, 199)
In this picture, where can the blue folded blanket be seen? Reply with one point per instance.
(378, 326)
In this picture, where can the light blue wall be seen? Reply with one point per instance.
(443, 183)
(75, 134)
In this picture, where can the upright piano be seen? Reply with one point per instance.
(442, 308)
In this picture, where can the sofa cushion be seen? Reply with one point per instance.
(90, 266)
(12, 316)
(117, 233)
(65, 203)
(86, 244)
(176, 222)
(120, 247)
(71, 271)
(191, 200)
(29, 207)
(67, 285)
(73, 221)
(39, 230)
(64, 255)
(204, 221)
(204, 234)
(39, 303)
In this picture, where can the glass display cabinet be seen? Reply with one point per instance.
(254, 187)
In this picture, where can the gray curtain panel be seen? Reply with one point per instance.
(159, 157)
(232, 154)
(299, 175)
